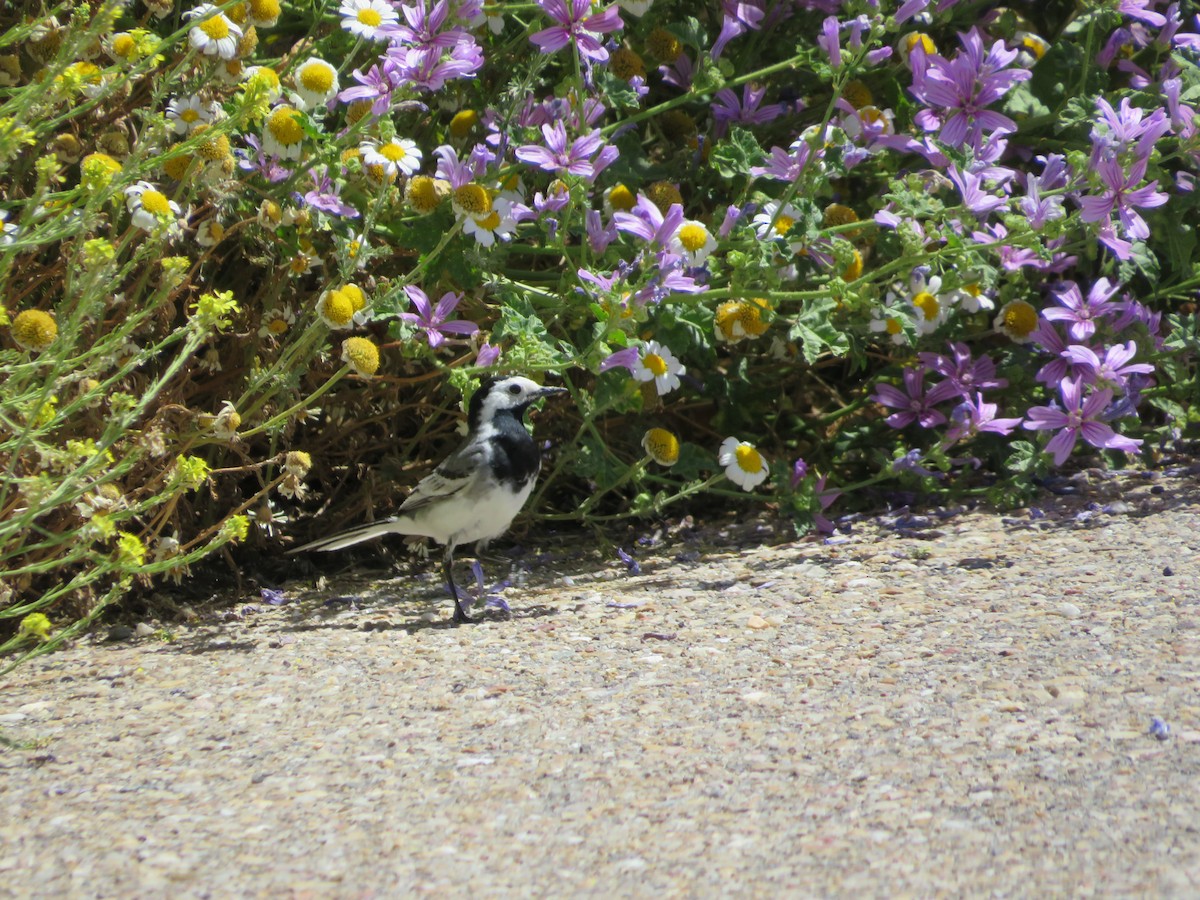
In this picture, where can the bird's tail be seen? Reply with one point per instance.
(354, 535)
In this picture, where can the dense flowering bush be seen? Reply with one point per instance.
(254, 252)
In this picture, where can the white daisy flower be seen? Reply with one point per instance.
(8, 230)
(368, 18)
(185, 113)
(283, 133)
(209, 233)
(263, 13)
(1017, 320)
(636, 8)
(276, 322)
(497, 224)
(151, 209)
(972, 298)
(744, 465)
(931, 309)
(399, 155)
(786, 218)
(882, 322)
(213, 34)
(316, 82)
(693, 242)
(658, 364)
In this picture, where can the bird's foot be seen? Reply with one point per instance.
(460, 614)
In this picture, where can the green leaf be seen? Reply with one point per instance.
(735, 154)
(814, 329)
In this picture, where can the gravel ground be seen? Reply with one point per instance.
(929, 706)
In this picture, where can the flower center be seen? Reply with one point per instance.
(1020, 319)
(338, 308)
(216, 27)
(189, 116)
(369, 17)
(857, 94)
(662, 446)
(123, 45)
(693, 237)
(783, 224)
(749, 459)
(490, 222)
(893, 326)
(156, 202)
(621, 197)
(284, 126)
(655, 364)
(422, 194)
(392, 152)
(473, 198)
(316, 78)
(277, 326)
(928, 305)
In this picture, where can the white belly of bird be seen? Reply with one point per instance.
(464, 517)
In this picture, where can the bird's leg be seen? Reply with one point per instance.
(460, 613)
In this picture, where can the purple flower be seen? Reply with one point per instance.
(799, 471)
(826, 499)
(647, 221)
(560, 157)
(627, 358)
(726, 108)
(1116, 130)
(254, 160)
(739, 17)
(377, 85)
(1061, 366)
(1080, 312)
(965, 373)
(1038, 209)
(972, 417)
(964, 88)
(574, 24)
(975, 198)
(599, 235)
(830, 40)
(432, 320)
(785, 165)
(1124, 197)
(914, 403)
(1114, 369)
(1136, 9)
(487, 355)
(1078, 418)
(324, 196)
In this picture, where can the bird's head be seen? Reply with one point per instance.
(513, 394)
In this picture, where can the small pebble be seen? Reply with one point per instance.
(1160, 729)
(143, 630)
(1067, 610)
(120, 633)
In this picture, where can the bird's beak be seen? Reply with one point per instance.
(547, 391)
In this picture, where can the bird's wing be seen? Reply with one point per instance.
(454, 474)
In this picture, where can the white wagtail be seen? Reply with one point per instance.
(477, 491)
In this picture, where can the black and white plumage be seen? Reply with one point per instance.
(478, 490)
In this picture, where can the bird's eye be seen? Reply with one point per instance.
(514, 389)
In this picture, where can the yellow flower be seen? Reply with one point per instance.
(619, 197)
(361, 355)
(36, 626)
(215, 310)
(661, 446)
(34, 329)
(191, 472)
(663, 45)
(97, 171)
(234, 529)
(263, 13)
(625, 64)
(131, 552)
(213, 34)
(857, 94)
